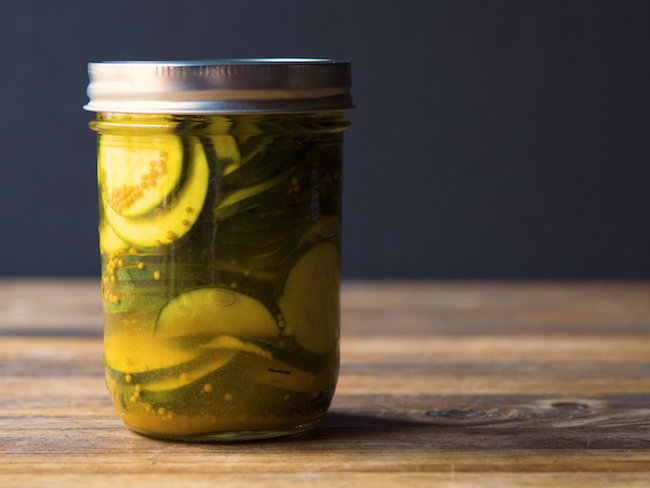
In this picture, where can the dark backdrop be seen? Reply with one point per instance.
(492, 139)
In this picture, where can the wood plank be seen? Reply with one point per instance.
(52, 305)
(242, 460)
(307, 480)
(487, 347)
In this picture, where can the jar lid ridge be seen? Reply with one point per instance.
(273, 85)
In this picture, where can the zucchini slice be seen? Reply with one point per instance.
(282, 375)
(236, 344)
(310, 298)
(262, 165)
(138, 174)
(176, 218)
(186, 392)
(109, 241)
(141, 301)
(144, 358)
(223, 151)
(327, 227)
(255, 195)
(144, 271)
(217, 360)
(214, 311)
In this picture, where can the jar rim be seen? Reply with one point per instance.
(220, 86)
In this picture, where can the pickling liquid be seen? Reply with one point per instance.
(220, 250)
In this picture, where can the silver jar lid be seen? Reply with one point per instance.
(278, 85)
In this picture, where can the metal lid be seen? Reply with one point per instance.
(277, 85)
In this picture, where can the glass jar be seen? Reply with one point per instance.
(220, 231)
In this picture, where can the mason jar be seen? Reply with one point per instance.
(220, 239)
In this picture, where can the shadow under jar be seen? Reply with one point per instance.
(220, 231)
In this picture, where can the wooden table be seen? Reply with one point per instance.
(442, 384)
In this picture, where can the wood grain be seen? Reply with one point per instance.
(442, 384)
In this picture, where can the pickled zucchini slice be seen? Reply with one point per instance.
(310, 298)
(327, 227)
(134, 358)
(285, 376)
(217, 360)
(236, 344)
(144, 271)
(224, 152)
(214, 311)
(245, 198)
(109, 241)
(189, 391)
(227, 153)
(176, 218)
(132, 302)
(262, 165)
(138, 174)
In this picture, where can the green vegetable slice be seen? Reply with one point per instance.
(282, 375)
(195, 389)
(215, 311)
(144, 359)
(143, 301)
(224, 151)
(137, 173)
(234, 343)
(252, 196)
(327, 227)
(217, 360)
(109, 241)
(310, 298)
(263, 164)
(144, 271)
(176, 218)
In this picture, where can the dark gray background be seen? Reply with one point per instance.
(492, 139)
